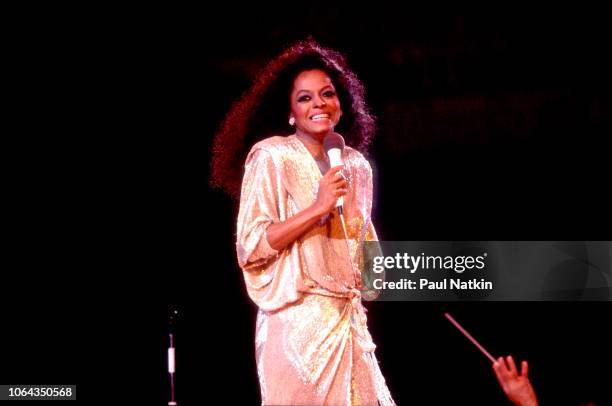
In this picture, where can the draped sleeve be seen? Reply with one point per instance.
(272, 278)
(258, 209)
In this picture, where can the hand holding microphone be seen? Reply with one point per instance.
(332, 185)
(334, 145)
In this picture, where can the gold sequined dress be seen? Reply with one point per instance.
(312, 342)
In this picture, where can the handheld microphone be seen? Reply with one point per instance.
(333, 144)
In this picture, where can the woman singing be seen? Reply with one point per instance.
(313, 346)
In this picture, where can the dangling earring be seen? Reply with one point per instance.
(292, 121)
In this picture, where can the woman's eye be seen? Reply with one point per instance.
(329, 93)
(304, 98)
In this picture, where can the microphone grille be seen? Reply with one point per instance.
(333, 140)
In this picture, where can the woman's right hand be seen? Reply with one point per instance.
(331, 186)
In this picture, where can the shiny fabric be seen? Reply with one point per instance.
(312, 342)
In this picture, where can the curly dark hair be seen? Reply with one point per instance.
(263, 110)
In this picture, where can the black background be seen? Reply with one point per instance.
(493, 126)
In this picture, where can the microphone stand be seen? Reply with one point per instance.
(171, 369)
(171, 355)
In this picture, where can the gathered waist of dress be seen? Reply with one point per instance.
(357, 316)
(349, 294)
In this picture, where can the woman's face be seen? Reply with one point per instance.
(314, 104)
